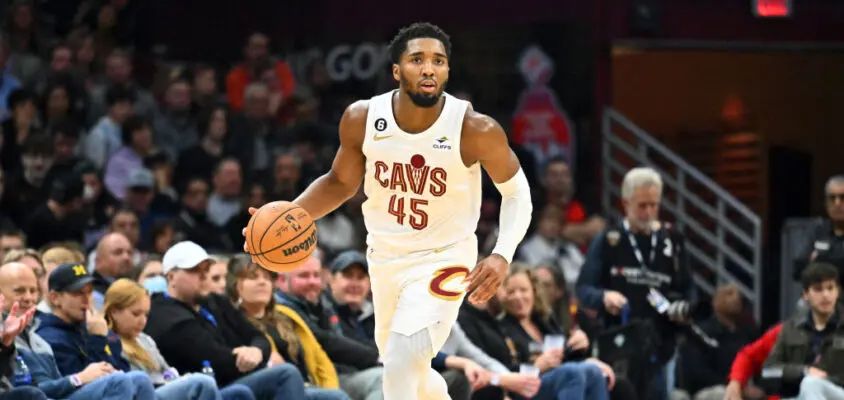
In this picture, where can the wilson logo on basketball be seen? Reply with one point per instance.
(304, 245)
(448, 283)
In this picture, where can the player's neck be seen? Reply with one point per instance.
(412, 118)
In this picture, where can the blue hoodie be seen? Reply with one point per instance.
(74, 348)
(38, 356)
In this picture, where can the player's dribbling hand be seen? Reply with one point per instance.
(485, 279)
(252, 211)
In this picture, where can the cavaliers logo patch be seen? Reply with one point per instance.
(447, 283)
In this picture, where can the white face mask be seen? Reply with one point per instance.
(89, 192)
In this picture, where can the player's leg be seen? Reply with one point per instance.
(425, 313)
(385, 288)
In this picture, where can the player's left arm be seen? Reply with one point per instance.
(485, 141)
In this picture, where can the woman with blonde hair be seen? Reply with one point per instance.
(251, 288)
(563, 370)
(126, 309)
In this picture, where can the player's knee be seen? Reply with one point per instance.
(405, 350)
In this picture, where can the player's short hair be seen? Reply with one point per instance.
(417, 30)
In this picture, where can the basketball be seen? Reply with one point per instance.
(281, 236)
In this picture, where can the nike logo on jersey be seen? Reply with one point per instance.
(377, 138)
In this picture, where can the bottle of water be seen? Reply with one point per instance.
(22, 375)
(206, 368)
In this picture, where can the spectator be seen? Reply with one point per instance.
(11, 239)
(526, 321)
(77, 334)
(205, 95)
(9, 82)
(176, 128)
(6, 223)
(217, 275)
(60, 218)
(747, 364)
(290, 338)
(136, 137)
(126, 223)
(805, 350)
(27, 186)
(547, 245)
(256, 58)
(192, 327)
(160, 237)
(201, 159)
(557, 189)
(32, 259)
(118, 74)
(140, 197)
(96, 381)
(257, 134)
(14, 325)
(21, 125)
(826, 242)
(150, 275)
(58, 103)
(356, 362)
(66, 140)
(256, 196)
(606, 287)
(112, 260)
(99, 204)
(193, 223)
(287, 177)
(349, 292)
(705, 369)
(225, 202)
(106, 136)
(52, 258)
(126, 308)
(336, 232)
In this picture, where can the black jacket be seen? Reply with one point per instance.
(186, 338)
(793, 350)
(348, 355)
(703, 366)
(827, 246)
(486, 332)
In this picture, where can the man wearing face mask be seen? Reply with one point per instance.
(629, 259)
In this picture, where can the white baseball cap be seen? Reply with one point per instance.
(183, 255)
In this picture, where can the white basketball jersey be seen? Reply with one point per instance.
(420, 195)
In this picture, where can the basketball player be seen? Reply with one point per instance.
(419, 152)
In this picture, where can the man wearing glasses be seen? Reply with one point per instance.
(826, 241)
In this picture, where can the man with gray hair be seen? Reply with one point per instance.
(825, 243)
(637, 270)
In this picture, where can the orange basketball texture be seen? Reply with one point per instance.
(281, 236)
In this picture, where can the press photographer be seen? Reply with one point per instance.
(625, 263)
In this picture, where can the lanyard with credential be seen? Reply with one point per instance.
(636, 251)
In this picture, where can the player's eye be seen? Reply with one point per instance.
(417, 60)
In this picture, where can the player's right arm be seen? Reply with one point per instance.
(331, 190)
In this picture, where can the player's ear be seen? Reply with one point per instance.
(396, 73)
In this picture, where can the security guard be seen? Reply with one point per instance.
(826, 242)
(632, 257)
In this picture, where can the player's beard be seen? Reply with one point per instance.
(420, 99)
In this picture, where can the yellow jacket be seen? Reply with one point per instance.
(318, 364)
